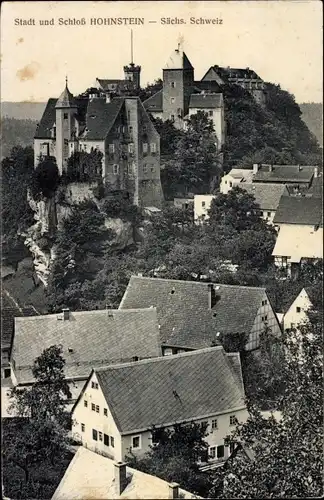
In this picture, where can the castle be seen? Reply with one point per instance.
(109, 118)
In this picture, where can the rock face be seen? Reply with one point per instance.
(49, 215)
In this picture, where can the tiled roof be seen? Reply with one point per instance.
(298, 243)
(183, 312)
(9, 310)
(92, 476)
(114, 84)
(267, 196)
(245, 174)
(48, 118)
(155, 102)
(89, 338)
(299, 210)
(206, 101)
(284, 173)
(66, 99)
(170, 389)
(236, 72)
(208, 86)
(101, 117)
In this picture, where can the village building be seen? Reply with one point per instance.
(193, 315)
(235, 177)
(297, 312)
(298, 177)
(300, 232)
(90, 475)
(122, 407)
(88, 339)
(118, 127)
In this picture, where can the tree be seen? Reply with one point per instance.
(288, 452)
(45, 179)
(174, 457)
(39, 435)
(84, 167)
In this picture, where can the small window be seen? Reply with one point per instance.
(131, 148)
(130, 129)
(292, 325)
(214, 424)
(225, 182)
(152, 168)
(111, 148)
(203, 203)
(220, 451)
(269, 214)
(264, 318)
(105, 412)
(112, 442)
(231, 184)
(97, 409)
(94, 385)
(172, 100)
(85, 402)
(172, 118)
(100, 436)
(145, 147)
(298, 309)
(173, 84)
(144, 168)
(212, 452)
(84, 147)
(153, 147)
(204, 423)
(233, 420)
(93, 407)
(106, 440)
(264, 302)
(66, 116)
(136, 441)
(210, 113)
(130, 168)
(82, 427)
(94, 435)
(116, 169)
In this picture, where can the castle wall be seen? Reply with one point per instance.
(43, 147)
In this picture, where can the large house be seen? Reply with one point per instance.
(88, 339)
(235, 177)
(121, 406)
(192, 315)
(118, 127)
(298, 177)
(182, 96)
(267, 196)
(300, 232)
(93, 476)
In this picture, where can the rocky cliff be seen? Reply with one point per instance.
(49, 215)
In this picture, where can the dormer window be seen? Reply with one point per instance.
(65, 116)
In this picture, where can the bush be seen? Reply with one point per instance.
(45, 179)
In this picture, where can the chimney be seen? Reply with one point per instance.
(173, 490)
(255, 168)
(270, 168)
(315, 172)
(66, 314)
(212, 298)
(120, 477)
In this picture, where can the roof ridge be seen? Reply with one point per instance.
(195, 352)
(198, 282)
(88, 313)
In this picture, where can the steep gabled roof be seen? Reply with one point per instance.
(89, 338)
(267, 196)
(284, 173)
(66, 99)
(178, 60)
(155, 102)
(101, 116)
(92, 476)
(183, 312)
(170, 389)
(48, 118)
(206, 101)
(299, 210)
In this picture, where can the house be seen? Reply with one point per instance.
(121, 405)
(296, 314)
(244, 77)
(131, 81)
(93, 476)
(183, 203)
(182, 96)
(9, 310)
(192, 315)
(295, 176)
(202, 203)
(118, 127)
(235, 177)
(300, 232)
(88, 338)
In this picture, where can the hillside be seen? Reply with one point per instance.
(22, 110)
(16, 132)
(312, 114)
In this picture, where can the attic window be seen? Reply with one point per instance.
(172, 291)
(70, 349)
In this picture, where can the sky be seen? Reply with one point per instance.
(280, 39)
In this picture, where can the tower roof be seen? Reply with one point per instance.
(66, 99)
(178, 60)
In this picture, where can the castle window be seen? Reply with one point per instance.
(116, 169)
(82, 427)
(66, 142)
(145, 147)
(210, 113)
(173, 84)
(65, 116)
(144, 168)
(130, 129)
(94, 435)
(152, 168)
(172, 100)
(111, 148)
(212, 451)
(298, 309)
(153, 147)
(131, 148)
(130, 168)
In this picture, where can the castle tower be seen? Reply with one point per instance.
(65, 123)
(133, 72)
(178, 77)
